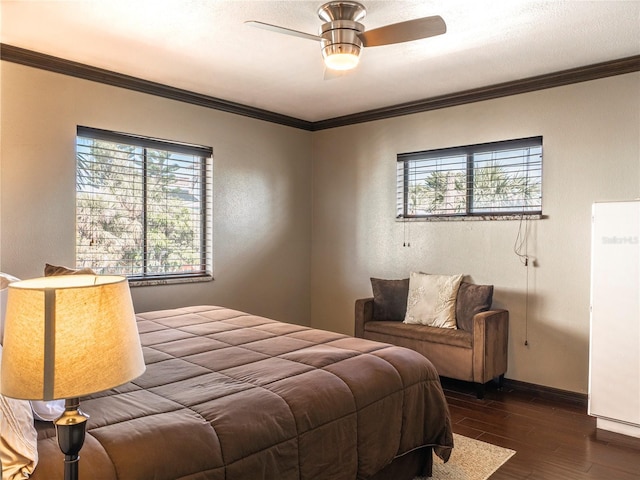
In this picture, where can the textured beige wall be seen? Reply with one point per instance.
(295, 238)
(591, 152)
(262, 185)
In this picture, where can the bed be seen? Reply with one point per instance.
(229, 395)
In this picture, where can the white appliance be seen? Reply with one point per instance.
(614, 353)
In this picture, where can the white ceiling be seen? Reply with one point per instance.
(203, 46)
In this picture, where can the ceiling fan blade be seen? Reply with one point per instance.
(286, 31)
(404, 31)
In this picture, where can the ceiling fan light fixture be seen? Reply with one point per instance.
(342, 35)
(341, 56)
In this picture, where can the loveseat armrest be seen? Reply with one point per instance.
(490, 344)
(364, 314)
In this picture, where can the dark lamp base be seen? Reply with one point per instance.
(70, 429)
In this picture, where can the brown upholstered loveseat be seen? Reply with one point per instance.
(476, 351)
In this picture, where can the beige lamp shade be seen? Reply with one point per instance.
(69, 336)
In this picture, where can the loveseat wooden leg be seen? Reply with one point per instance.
(501, 381)
(479, 391)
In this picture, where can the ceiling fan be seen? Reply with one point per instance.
(342, 36)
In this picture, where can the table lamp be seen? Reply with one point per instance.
(66, 337)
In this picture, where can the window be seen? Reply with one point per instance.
(143, 207)
(498, 179)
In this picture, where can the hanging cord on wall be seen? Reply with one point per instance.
(407, 232)
(405, 221)
(521, 249)
(92, 218)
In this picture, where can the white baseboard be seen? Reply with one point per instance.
(618, 427)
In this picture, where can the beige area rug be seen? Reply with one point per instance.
(470, 460)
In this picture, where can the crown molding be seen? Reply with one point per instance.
(42, 61)
(540, 82)
(86, 72)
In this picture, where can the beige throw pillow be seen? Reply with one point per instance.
(432, 299)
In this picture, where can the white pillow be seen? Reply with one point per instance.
(5, 280)
(47, 411)
(432, 299)
(18, 438)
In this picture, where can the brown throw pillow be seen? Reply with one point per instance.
(472, 299)
(52, 270)
(389, 298)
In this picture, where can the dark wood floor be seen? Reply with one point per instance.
(552, 434)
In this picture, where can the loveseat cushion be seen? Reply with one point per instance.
(472, 299)
(423, 333)
(389, 298)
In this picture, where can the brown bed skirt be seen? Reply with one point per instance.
(419, 462)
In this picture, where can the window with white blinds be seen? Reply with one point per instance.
(487, 180)
(143, 207)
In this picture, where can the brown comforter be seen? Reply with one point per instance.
(228, 395)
